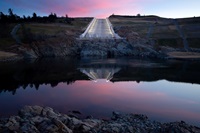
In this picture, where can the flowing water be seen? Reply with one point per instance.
(163, 90)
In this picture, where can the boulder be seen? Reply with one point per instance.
(30, 111)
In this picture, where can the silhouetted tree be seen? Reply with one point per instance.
(3, 18)
(44, 19)
(28, 18)
(52, 17)
(68, 20)
(10, 11)
(4, 32)
(138, 15)
(12, 17)
(24, 18)
(34, 18)
(55, 16)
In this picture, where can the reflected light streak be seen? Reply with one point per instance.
(99, 73)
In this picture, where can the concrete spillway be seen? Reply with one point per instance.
(101, 29)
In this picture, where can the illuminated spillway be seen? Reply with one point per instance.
(100, 28)
(99, 73)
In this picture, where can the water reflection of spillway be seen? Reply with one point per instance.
(99, 73)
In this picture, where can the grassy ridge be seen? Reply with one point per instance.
(164, 30)
(77, 26)
(5, 38)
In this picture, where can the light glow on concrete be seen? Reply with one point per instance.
(101, 29)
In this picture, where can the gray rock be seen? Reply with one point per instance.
(12, 126)
(84, 128)
(51, 121)
(73, 115)
(27, 128)
(62, 127)
(51, 128)
(14, 119)
(65, 119)
(13, 123)
(140, 116)
(49, 112)
(38, 119)
(73, 123)
(15, 127)
(89, 117)
(58, 123)
(76, 121)
(44, 124)
(92, 122)
(30, 110)
(115, 115)
(45, 110)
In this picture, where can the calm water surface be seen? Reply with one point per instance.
(163, 90)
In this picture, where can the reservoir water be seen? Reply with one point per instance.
(163, 90)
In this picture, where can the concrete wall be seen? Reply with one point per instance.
(111, 28)
(88, 28)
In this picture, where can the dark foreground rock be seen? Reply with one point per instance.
(36, 119)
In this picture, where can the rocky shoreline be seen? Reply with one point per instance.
(36, 119)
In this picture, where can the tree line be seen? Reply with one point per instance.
(14, 18)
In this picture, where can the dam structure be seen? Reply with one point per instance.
(99, 29)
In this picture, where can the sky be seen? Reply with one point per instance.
(103, 8)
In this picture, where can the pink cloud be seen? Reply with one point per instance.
(75, 8)
(103, 8)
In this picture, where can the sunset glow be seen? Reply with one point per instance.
(103, 8)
